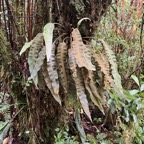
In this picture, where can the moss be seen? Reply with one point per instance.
(79, 7)
(3, 48)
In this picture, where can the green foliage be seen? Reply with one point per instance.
(64, 138)
(103, 138)
(134, 112)
(120, 28)
(131, 111)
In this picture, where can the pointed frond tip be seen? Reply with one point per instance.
(25, 47)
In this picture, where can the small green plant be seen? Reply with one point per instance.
(64, 138)
(132, 112)
(4, 113)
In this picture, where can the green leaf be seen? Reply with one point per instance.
(92, 139)
(48, 38)
(135, 119)
(101, 136)
(5, 130)
(133, 92)
(25, 47)
(3, 124)
(127, 115)
(142, 88)
(79, 125)
(135, 79)
(139, 106)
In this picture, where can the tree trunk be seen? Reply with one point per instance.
(42, 114)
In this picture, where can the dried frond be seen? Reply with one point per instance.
(72, 62)
(52, 71)
(114, 68)
(49, 83)
(105, 68)
(81, 93)
(92, 89)
(77, 77)
(82, 55)
(61, 58)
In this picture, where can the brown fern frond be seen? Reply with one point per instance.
(105, 68)
(49, 82)
(52, 71)
(81, 93)
(90, 85)
(77, 77)
(112, 60)
(82, 55)
(72, 62)
(61, 58)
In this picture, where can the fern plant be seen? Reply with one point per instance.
(92, 72)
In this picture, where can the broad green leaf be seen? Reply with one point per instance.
(139, 106)
(48, 38)
(104, 142)
(133, 92)
(142, 88)
(135, 79)
(129, 97)
(25, 47)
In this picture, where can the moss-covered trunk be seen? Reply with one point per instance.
(41, 114)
